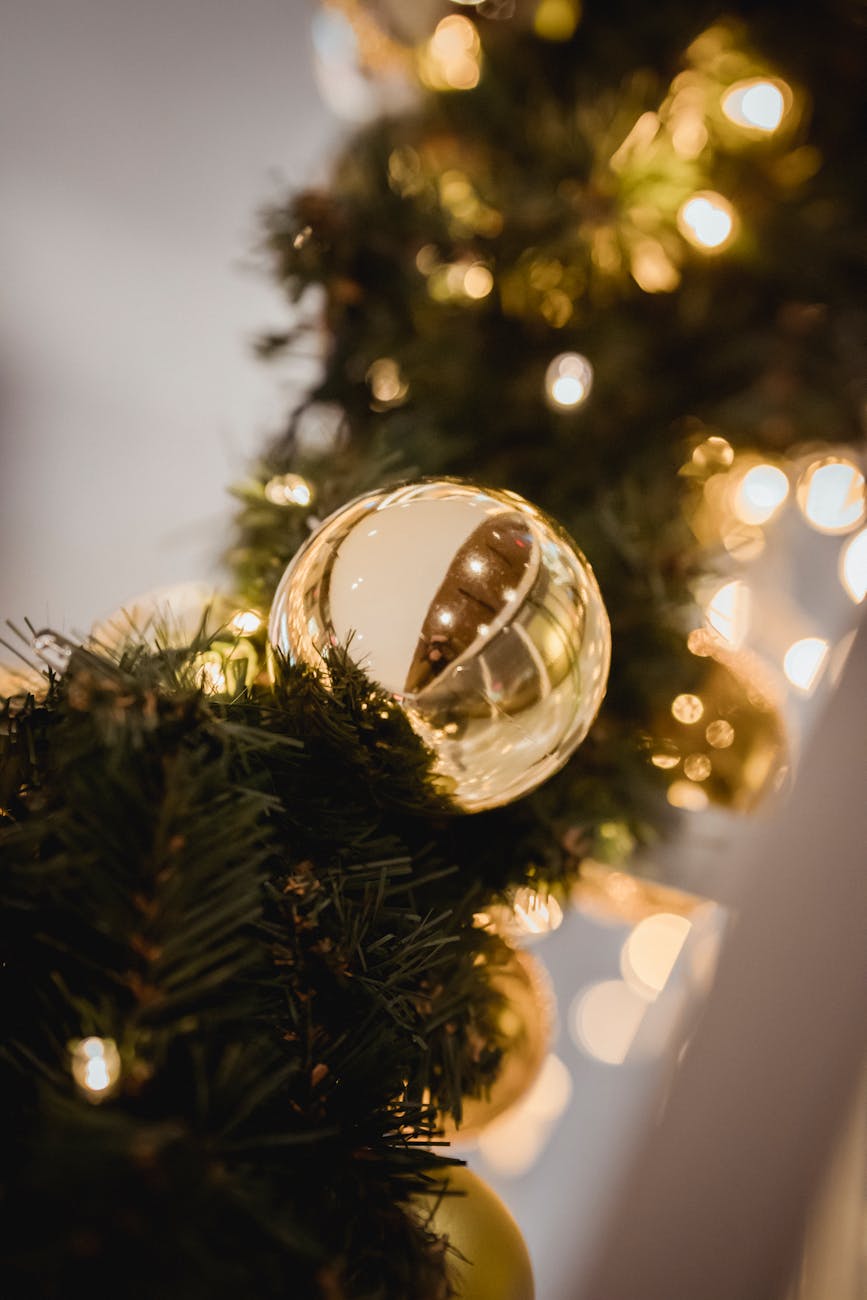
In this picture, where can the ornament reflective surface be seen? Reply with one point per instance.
(496, 1263)
(474, 610)
(526, 1026)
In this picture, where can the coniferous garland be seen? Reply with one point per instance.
(462, 247)
(242, 902)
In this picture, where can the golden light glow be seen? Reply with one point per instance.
(853, 566)
(697, 767)
(831, 495)
(568, 380)
(666, 756)
(728, 612)
(477, 281)
(687, 708)
(804, 662)
(713, 454)
(720, 734)
(387, 385)
(451, 59)
(604, 1019)
(535, 911)
(652, 268)
(288, 490)
(757, 104)
(512, 1142)
(760, 494)
(648, 956)
(687, 796)
(707, 221)
(95, 1066)
(556, 20)
(246, 622)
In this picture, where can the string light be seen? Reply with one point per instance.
(831, 495)
(535, 911)
(568, 380)
(652, 268)
(387, 385)
(288, 490)
(648, 956)
(687, 796)
(707, 221)
(713, 454)
(451, 59)
(720, 734)
(804, 662)
(95, 1067)
(697, 767)
(760, 494)
(757, 104)
(853, 567)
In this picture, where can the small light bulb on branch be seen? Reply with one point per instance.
(288, 490)
(707, 221)
(757, 104)
(568, 380)
(95, 1067)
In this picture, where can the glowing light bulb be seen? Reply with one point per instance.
(648, 956)
(760, 494)
(535, 911)
(477, 281)
(831, 495)
(387, 385)
(804, 662)
(95, 1066)
(451, 58)
(288, 490)
(728, 612)
(707, 220)
(853, 566)
(246, 621)
(605, 1018)
(568, 380)
(757, 104)
(687, 708)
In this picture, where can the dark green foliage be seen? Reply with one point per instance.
(246, 896)
(764, 344)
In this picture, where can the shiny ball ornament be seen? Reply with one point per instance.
(526, 1026)
(492, 1261)
(474, 611)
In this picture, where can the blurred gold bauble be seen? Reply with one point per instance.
(723, 743)
(495, 1263)
(526, 1024)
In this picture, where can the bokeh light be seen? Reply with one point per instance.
(687, 796)
(757, 104)
(804, 662)
(451, 59)
(728, 612)
(96, 1066)
(687, 708)
(288, 490)
(760, 494)
(831, 495)
(568, 380)
(604, 1019)
(707, 221)
(648, 956)
(853, 566)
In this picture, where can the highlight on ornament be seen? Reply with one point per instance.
(474, 610)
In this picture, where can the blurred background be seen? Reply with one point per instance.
(139, 142)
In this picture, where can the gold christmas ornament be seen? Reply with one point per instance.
(725, 744)
(526, 1023)
(492, 1262)
(474, 610)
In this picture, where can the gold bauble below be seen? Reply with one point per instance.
(496, 1263)
(526, 1024)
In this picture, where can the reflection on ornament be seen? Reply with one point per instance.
(707, 221)
(568, 380)
(474, 611)
(831, 495)
(804, 662)
(95, 1067)
(728, 612)
(526, 1027)
(687, 708)
(526, 915)
(757, 104)
(853, 567)
(713, 454)
(245, 622)
(490, 1260)
(734, 758)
